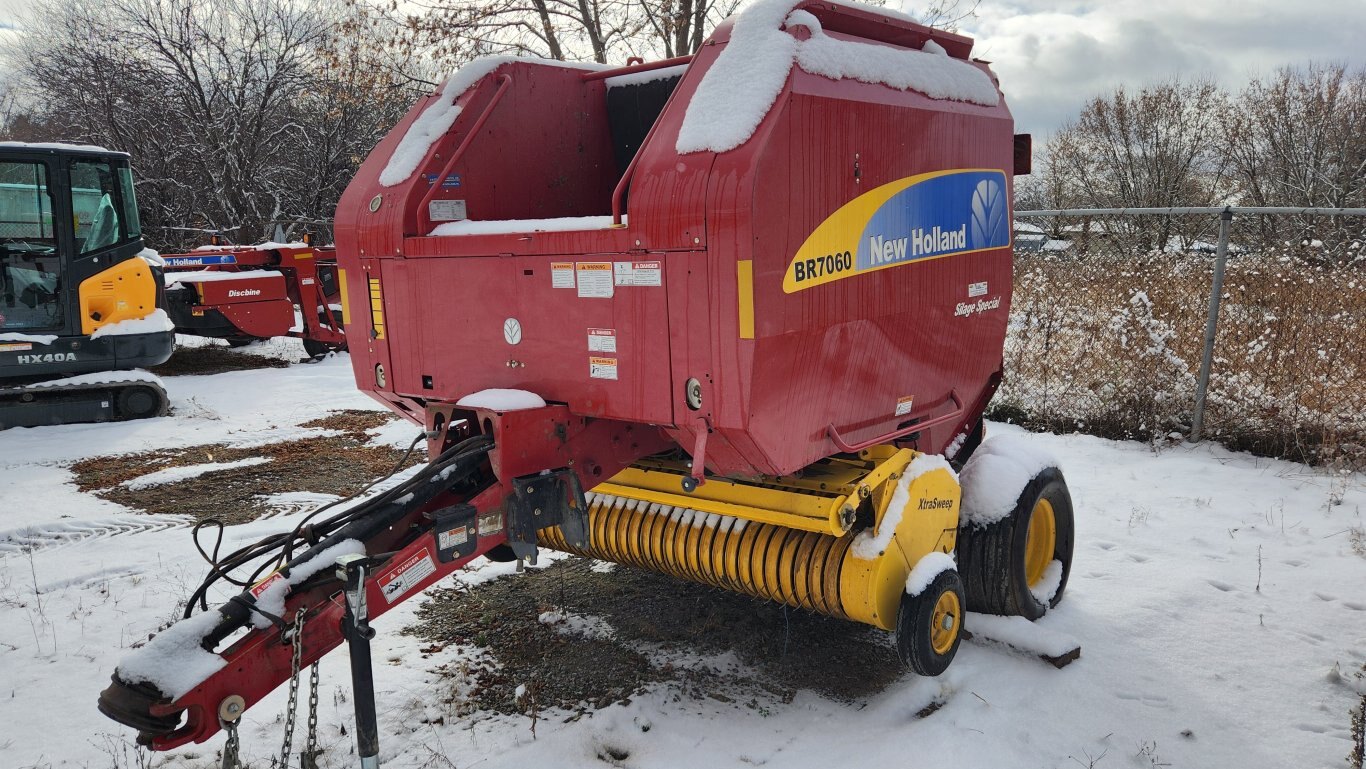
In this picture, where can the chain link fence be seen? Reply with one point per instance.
(1109, 328)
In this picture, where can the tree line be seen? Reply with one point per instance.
(247, 115)
(1292, 138)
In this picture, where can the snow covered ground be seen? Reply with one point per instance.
(1220, 601)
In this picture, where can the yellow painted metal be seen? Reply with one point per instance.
(1040, 542)
(794, 507)
(345, 302)
(928, 522)
(744, 289)
(376, 309)
(126, 291)
(945, 621)
(736, 537)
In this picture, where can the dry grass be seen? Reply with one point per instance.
(330, 464)
(1110, 343)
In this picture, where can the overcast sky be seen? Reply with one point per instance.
(1052, 55)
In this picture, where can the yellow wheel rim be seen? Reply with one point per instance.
(1040, 542)
(945, 621)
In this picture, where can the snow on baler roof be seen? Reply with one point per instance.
(742, 85)
(740, 88)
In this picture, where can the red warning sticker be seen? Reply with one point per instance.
(404, 577)
(260, 587)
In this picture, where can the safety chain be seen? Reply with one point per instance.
(294, 662)
(231, 747)
(308, 758)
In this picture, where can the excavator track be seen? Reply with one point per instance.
(124, 396)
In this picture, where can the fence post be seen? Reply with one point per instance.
(1216, 294)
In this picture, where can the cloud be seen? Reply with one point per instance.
(1053, 55)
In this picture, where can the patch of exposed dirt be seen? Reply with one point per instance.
(351, 421)
(212, 359)
(336, 464)
(652, 619)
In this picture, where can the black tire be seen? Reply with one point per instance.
(993, 559)
(239, 341)
(139, 402)
(929, 626)
(316, 349)
(319, 349)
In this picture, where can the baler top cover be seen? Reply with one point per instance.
(793, 244)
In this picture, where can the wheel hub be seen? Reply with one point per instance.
(1040, 542)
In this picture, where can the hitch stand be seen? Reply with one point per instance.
(356, 629)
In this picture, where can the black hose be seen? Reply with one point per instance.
(360, 522)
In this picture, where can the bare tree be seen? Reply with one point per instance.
(241, 113)
(598, 30)
(1157, 147)
(1296, 139)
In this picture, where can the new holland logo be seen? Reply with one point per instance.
(917, 218)
(244, 292)
(52, 357)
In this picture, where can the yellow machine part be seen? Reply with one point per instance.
(716, 539)
(126, 291)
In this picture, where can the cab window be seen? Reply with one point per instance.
(30, 266)
(97, 203)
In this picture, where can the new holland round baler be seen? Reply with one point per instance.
(733, 317)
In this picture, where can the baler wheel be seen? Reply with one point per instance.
(1003, 564)
(929, 626)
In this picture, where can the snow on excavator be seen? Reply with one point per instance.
(80, 306)
(734, 317)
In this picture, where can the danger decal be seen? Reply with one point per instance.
(404, 577)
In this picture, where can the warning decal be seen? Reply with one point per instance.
(595, 279)
(16, 347)
(638, 273)
(260, 587)
(903, 404)
(405, 576)
(602, 368)
(561, 274)
(602, 340)
(449, 540)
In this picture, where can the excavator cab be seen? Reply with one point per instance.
(77, 300)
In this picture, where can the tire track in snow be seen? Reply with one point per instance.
(68, 531)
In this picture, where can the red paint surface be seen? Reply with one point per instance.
(843, 353)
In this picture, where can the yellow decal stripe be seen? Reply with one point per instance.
(346, 306)
(744, 279)
(376, 309)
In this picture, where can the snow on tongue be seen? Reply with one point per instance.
(271, 599)
(747, 77)
(175, 661)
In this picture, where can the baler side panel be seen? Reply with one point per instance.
(846, 352)
(454, 323)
